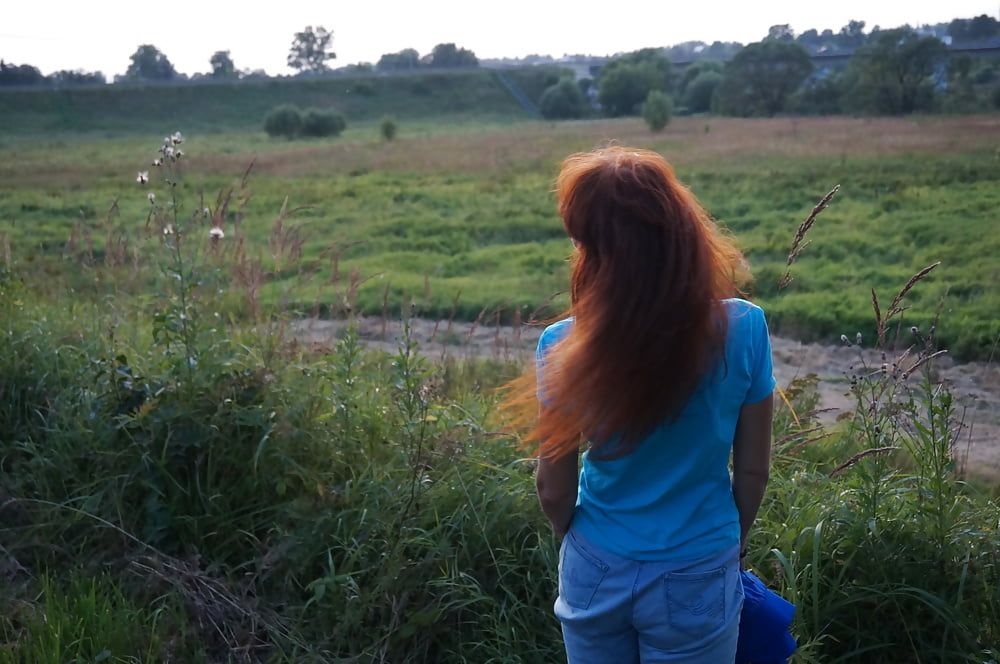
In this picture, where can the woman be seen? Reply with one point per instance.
(659, 373)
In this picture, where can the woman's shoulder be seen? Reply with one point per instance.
(739, 310)
(554, 333)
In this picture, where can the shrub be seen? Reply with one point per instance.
(562, 101)
(657, 110)
(388, 128)
(316, 122)
(698, 93)
(284, 120)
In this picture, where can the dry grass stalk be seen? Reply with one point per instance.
(895, 306)
(798, 242)
(861, 455)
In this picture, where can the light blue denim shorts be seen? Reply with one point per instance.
(615, 610)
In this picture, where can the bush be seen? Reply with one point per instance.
(562, 101)
(316, 122)
(698, 93)
(657, 110)
(388, 128)
(284, 120)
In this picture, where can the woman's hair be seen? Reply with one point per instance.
(649, 271)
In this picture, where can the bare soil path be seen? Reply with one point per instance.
(975, 385)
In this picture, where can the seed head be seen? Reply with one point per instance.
(168, 229)
(845, 340)
(177, 138)
(216, 233)
(151, 197)
(157, 162)
(142, 177)
(914, 330)
(857, 338)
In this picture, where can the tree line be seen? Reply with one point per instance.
(894, 71)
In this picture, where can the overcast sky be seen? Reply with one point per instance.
(102, 34)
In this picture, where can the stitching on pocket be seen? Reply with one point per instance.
(587, 587)
(696, 602)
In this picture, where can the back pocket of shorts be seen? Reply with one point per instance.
(580, 574)
(696, 604)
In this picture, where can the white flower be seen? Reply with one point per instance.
(166, 140)
(168, 152)
(207, 212)
(152, 198)
(216, 233)
(178, 153)
(914, 330)
(157, 162)
(168, 229)
(857, 339)
(142, 177)
(177, 138)
(844, 339)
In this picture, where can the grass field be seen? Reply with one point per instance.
(462, 218)
(182, 481)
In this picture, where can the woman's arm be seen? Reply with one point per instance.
(751, 461)
(557, 481)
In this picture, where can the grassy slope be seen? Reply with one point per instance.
(229, 106)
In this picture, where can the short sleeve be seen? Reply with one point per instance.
(762, 370)
(550, 335)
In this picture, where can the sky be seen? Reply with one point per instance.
(102, 34)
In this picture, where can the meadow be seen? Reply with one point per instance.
(182, 480)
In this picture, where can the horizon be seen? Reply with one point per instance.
(193, 36)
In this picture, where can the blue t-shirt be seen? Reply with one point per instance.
(671, 498)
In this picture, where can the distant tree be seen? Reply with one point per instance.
(896, 71)
(318, 123)
(11, 74)
(851, 36)
(820, 95)
(388, 128)
(451, 56)
(699, 93)
(974, 29)
(694, 70)
(408, 58)
(222, 65)
(811, 40)
(563, 101)
(761, 77)
(782, 32)
(150, 64)
(310, 50)
(77, 77)
(627, 80)
(657, 109)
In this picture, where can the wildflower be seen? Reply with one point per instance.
(142, 177)
(168, 152)
(207, 212)
(845, 340)
(177, 138)
(178, 154)
(857, 339)
(151, 197)
(216, 233)
(914, 330)
(168, 229)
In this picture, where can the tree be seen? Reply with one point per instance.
(562, 101)
(222, 65)
(851, 36)
(782, 32)
(626, 81)
(699, 92)
(284, 120)
(693, 71)
(973, 29)
(759, 80)
(657, 109)
(148, 63)
(408, 58)
(310, 50)
(895, 72)
(449, 55)
(77, 77)
(11, 74)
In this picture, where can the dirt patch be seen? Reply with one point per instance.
(975, 385)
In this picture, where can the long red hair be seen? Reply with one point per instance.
(649, 271)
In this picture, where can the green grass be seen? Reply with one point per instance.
(224, 107)
(462, 219)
